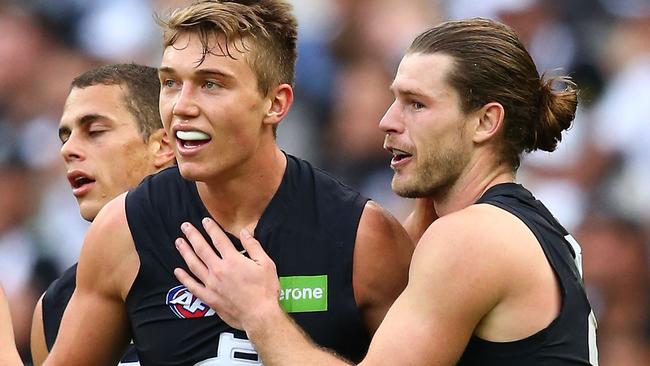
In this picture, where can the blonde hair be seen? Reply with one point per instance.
(269, 24)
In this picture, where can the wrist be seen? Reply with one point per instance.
(266, 317)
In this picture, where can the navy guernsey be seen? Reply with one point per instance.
(309, 229)
(570, 338)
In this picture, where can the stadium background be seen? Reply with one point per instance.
(597, 183)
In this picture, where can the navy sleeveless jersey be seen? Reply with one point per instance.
(309, 229)
(55, 301)
(566, 341)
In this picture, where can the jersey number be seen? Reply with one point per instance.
(233, 352)
(593, 349)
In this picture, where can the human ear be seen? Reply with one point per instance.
(490, 121)
(161, 149)
(280, 102)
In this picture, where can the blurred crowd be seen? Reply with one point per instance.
(597, 183)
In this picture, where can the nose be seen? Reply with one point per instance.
(184, 105)
(70, 150)
(391, 121)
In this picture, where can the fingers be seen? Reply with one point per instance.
(221, 242)
(200, 245)
(194, 263)
(252, 246)
(196, 288)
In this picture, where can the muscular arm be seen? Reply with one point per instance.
(38, 345)
(452, 286)
(94, 329)
(8, 352)
(381, 260)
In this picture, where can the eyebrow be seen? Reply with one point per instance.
(165, 70)
(407, 91)
(84, 120)
(199, 72)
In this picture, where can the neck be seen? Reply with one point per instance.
(482, 173)
(238, 201)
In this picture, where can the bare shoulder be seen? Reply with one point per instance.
(458, 244)
(481, 227)
(376, 222)
(380, 235)
(481, 240)
(382, 246)
(455, 280)
(108, 254)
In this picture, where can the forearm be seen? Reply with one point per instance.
(281, 342)
(423, 215)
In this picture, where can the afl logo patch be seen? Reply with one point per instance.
(185, 305)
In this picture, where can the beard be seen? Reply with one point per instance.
(435, 173)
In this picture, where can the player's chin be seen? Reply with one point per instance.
(401, 187)
(88, 209)
(192, 170)
(407, 188)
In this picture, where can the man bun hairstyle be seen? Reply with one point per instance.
(492, 65)
(557, 109)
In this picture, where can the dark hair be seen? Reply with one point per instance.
(270, 25)
(492, 65)
(142, 90)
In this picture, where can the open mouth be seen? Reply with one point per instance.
(80, 183)
(192, 139)
(399, 155)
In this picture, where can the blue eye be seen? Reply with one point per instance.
(169, 83)
(210, 85)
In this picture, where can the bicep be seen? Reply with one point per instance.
(38, 345)
(95, 329)
(448, 293)
(381, 259)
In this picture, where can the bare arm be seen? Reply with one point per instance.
(423, 215)
(38, 345)
(451, 288)
(94, 329)
(381, 259)
(8, 352)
